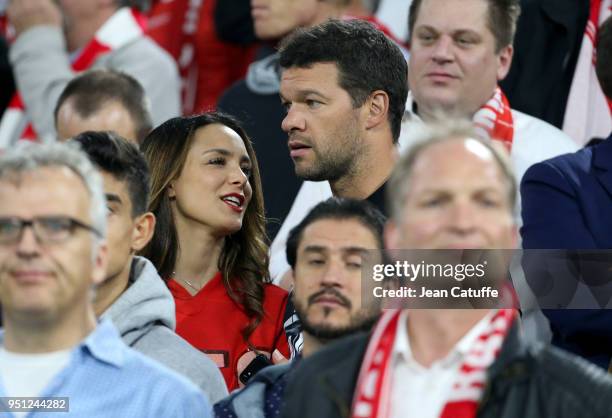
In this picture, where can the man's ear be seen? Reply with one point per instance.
(100, 263)
(504, 61)
(144, 227)
(377, 106)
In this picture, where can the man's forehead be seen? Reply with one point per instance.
(455, 161)
(338, 234)
(320, 71)
(53, 187)
(112, 115)
(436, 14)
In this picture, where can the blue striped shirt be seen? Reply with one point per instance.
(105, 378)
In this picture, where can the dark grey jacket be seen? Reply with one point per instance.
(527, 381)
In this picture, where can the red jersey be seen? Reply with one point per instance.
(212, 322)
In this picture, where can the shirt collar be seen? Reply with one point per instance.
(105, 344)
(402, 350)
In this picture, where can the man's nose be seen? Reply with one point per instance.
(28, 244)
(293, 120)
(443, 49)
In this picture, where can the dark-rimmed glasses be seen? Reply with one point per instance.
(47, 229)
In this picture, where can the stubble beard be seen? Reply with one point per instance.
(362, 320)
(337, 161)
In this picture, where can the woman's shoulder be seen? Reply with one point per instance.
(274, 292)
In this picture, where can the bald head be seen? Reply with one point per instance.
(453, 191)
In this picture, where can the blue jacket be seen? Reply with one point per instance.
(567, 204)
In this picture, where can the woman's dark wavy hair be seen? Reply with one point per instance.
(244, 257)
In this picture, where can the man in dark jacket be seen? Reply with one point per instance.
(325, 251)
(451, 191)
(579, 188)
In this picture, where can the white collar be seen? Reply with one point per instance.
(402, 349)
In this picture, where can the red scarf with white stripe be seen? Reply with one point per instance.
(123, 27)
(493, 120)
(373, 390)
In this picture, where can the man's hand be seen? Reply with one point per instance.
(25, 14)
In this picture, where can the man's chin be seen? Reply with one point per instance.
(326, 331)
(308, 173)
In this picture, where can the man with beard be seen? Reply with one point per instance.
(451, 191)
(344, 89)
(325, 251)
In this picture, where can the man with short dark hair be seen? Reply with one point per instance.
(254, 100)
(55, 40)
(344, 89)
(326, 251)
(453, 192)
(53, 253)
(132, 294)
(579, 188)
(343, 86)
(460, 50)
(103, 100)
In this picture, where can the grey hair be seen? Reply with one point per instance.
(29, 157)
(443, 130)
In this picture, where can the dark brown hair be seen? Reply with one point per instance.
(244, 257)
(92, 90)
(502, 18)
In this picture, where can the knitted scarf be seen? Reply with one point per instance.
(373, 390)
(493, 120)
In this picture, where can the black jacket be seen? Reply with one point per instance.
(527, 381)
(546, 46)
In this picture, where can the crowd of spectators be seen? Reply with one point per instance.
(192, 194)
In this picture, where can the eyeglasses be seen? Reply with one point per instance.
(47, 229)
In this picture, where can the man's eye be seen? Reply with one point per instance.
(488, 202)
(55, 225)
(313, 104)
(433, 202)
(426, 37)
(315, 262)
(8, 226)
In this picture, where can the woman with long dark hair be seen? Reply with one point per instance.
(209, 243)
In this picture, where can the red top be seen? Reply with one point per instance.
(212, 322)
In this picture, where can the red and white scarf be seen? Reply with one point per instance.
(588, 112)
(123, 27)
(373, 390)
(493, 120)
